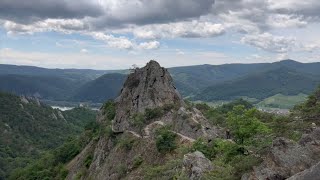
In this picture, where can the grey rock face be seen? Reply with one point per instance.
(193, 124)
(287, 158)
(148, 87)
(24, 100)
(196, 164)
(311, 173)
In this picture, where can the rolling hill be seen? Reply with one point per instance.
(262, 85)
(201, 82)
(192, 79)
(282, 101)
(101, 89)
(44, 87)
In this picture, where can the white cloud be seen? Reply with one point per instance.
(269, 42)
(188, 29)
(123, 42)
(180, 52)
(282, 56)
(84, 51)
(149, 45)
(285, 21)
(59, 25)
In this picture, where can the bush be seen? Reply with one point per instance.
(168, 107)
(67, 151)
(153, 113)
(243, 164)
(202, 107)
(88, 160)
(165, 171)
(166, 140)
(244, 124)
(121, 171)
(109, 110)
(202, 146)
(126, 143)
(137, 161)
(139, 120)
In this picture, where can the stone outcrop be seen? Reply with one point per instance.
(195, 165)
(308, 174)
(114, 156)
(147, 87)
(287, 158)
(152, 87)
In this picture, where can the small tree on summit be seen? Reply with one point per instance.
(133, 68)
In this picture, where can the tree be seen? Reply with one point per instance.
(133, 68)
(244, 124)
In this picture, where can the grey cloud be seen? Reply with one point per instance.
(25, 11)
(142, 12)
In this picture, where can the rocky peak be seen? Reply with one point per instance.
(147, 87)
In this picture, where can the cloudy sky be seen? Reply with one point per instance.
(113, 34)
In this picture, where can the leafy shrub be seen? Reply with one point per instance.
(165, 171)
(121, 170)
(228, 150)
(67, 151)
(230, 106)
(243, 164)
(222, 171)
(88, 160)
(168, 107)
(137, 161)
(202, 107)
(126, 143)
(244, 124)
(109, 110)
(139, 120)
(204, 147)
(165, 140)
(153, 113)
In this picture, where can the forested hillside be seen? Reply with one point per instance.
(71, 74)
(28, 128)
(101, 89)
(44, 87)
(281, 80)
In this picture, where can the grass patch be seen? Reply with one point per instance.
(283, 101)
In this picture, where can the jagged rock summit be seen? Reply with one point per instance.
(147, 87)
(128, 147)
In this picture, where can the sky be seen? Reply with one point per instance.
(115, 34)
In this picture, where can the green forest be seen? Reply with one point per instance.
(29, 129)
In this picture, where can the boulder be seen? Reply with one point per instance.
(308, 174)
(196, 165)
(287, 158)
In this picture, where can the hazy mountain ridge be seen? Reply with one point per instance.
(81, 85)
(106, 87)
(280, 80)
